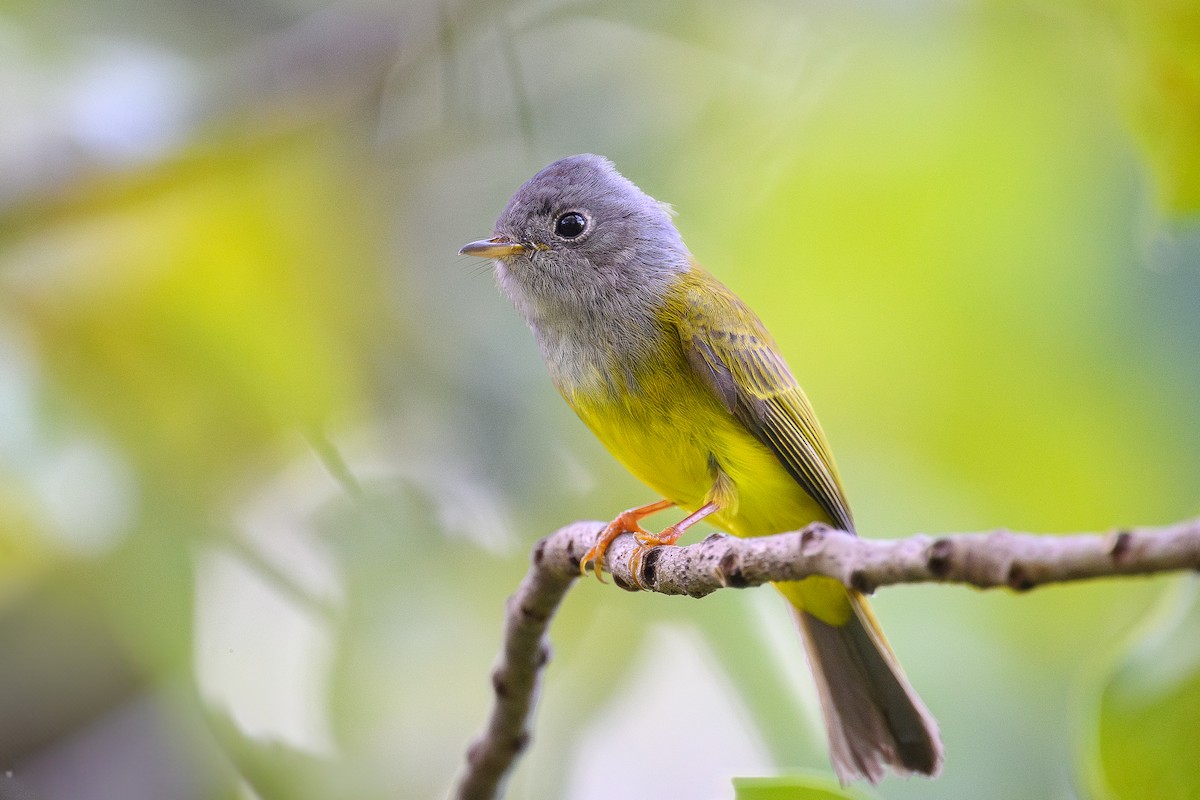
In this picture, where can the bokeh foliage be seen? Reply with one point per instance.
(271, 455)
(1144, 718)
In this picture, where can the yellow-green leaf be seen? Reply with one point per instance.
(793, 787)
(1146, 717)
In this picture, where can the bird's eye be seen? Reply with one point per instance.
(570, 225)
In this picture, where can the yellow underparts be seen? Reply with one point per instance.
(675, 437)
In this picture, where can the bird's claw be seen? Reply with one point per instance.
(628, 522)
(625, 522)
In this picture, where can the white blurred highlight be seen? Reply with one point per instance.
(675, 708)
(260, 657)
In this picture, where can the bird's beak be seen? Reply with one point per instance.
(497, 247)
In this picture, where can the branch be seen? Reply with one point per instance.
(518, 670)
(1019, 561)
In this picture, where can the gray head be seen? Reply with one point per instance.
(578, 241)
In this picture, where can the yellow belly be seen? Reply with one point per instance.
(670, 431)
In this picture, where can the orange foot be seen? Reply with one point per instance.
(626, 522)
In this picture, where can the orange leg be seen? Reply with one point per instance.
(626, 522)
(668, 536)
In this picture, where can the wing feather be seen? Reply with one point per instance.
(734, 355)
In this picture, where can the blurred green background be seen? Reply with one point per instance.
(272, 455)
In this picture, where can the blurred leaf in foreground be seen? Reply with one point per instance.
(205, 308)
(1146, 724)
(793, 787)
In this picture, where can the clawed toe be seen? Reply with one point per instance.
(626, 521)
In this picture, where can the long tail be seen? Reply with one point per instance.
(872, 714)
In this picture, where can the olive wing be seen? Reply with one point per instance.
(735, 356)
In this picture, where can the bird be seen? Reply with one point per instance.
(683, 384)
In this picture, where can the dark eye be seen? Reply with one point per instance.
(570, 225)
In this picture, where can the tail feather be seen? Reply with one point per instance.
(873, 716)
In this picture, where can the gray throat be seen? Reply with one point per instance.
(597, 348)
